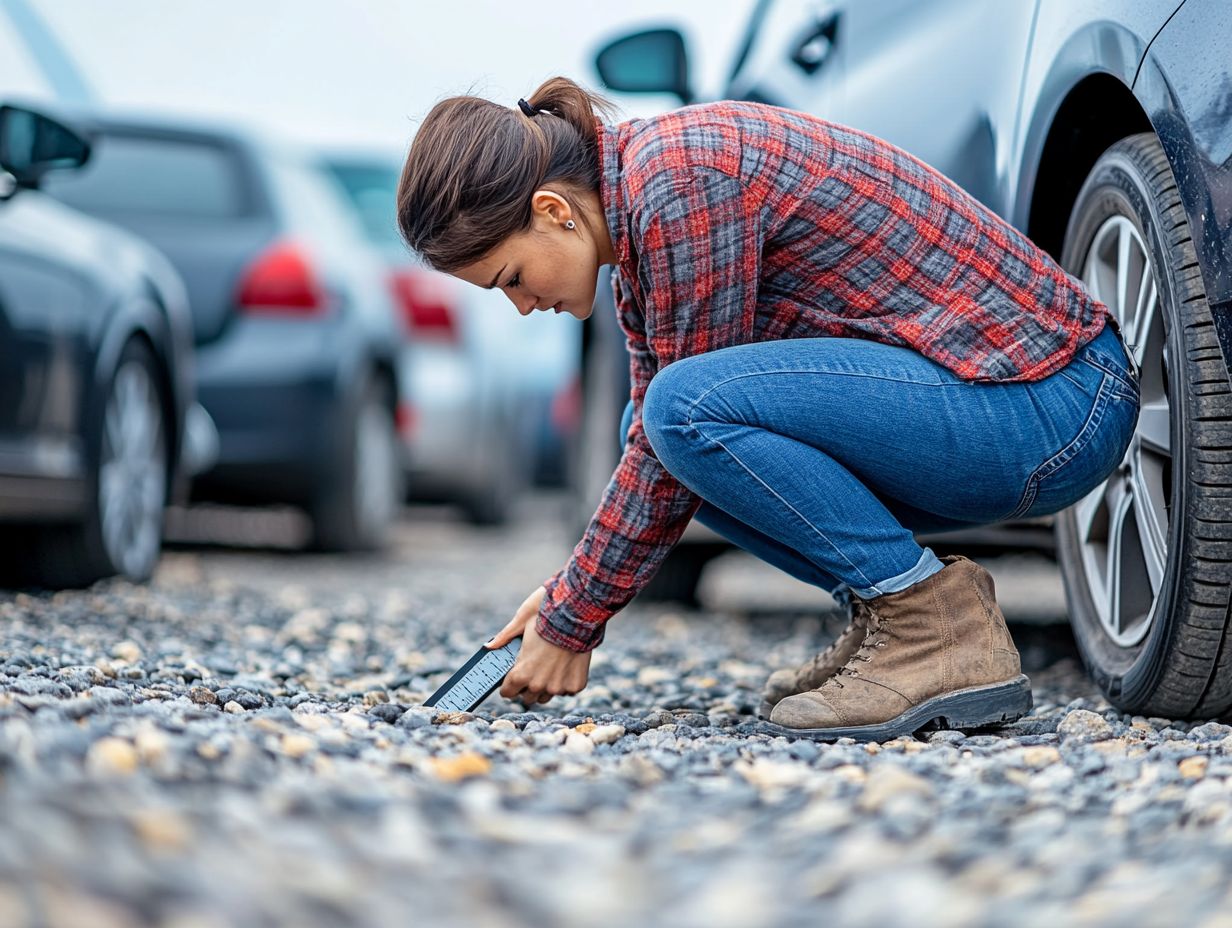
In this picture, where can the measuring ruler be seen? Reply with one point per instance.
(476, 679)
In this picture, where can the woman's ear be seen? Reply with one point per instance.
(550, 207)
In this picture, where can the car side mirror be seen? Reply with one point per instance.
(652, 61)
(32, 144)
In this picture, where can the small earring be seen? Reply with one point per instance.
(569, 224)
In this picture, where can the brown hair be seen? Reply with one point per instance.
(474, 164)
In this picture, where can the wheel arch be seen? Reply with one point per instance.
(1098, 112)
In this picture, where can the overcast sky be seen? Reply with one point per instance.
(363, 71)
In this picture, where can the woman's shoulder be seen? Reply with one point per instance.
(710, 135)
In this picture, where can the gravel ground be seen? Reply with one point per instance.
(242, 743)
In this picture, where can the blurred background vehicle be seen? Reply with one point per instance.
(1104, 132)
(492, 390)
(297, 344)
(494, 398)
(95, 376)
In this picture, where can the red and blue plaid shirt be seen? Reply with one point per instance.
(741, 222)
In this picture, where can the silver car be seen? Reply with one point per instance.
(481, 379)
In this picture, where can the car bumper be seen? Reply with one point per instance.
(41, 479)
(273, 390)
(444, 455)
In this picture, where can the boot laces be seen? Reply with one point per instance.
(874, 639)
(858, 618)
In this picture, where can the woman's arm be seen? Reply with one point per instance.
(699, 254)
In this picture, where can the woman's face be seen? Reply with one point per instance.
(549, 267)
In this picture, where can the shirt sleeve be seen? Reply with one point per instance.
(699, 251)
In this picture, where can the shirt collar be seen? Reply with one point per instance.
(611, 194)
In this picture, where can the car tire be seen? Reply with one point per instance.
(679, 576)
(355, 509)
(126, 491)
(493, 501)
(1146, 557)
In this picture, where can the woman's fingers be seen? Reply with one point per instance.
(515, 627)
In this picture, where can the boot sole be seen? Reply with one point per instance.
(974, 707)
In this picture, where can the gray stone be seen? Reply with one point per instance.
(1081, 724)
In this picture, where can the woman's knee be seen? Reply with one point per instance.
(665, 410)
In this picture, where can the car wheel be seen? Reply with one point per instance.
(356, 508)
(127, 493)
(493, 501)
(679, 576)
(1145, 557)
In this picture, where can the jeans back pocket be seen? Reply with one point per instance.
(1090, 457)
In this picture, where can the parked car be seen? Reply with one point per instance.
(485, 381)
(297, 344)
(95, 376)
(1102, 131)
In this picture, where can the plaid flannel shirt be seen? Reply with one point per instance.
(742, 222)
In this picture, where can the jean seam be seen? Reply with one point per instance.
(1073, 447)
(1071, 377)
(735, 457)
(1111, 368)
(736, 377)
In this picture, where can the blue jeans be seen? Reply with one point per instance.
(822, 456)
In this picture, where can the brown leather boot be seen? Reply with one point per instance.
(812, 673)
(938, 651)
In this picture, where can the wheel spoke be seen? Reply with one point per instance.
(1086, 510)
(1122, 268)
(1132, 324)
(1152, 528)
(151, 491)
(111, 487)
(1143, 525)
(1144, 323)
(114, 428)
(1117, 506)
(1090, 275)
(1155, 427)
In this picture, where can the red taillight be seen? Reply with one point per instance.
(406, 420)
(566, 411)
(281, 280)
(425, 301)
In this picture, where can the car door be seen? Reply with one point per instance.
(939, 79)
(48, 309)
(790, 58)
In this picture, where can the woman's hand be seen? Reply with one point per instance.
(542, 670)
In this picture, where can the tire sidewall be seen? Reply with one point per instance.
(373, 400)
(341, 522)
(1116, 187)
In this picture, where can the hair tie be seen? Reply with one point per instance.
(527, 108)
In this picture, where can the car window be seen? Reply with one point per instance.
(20, 76)
(187, 179)
(372, 190)
(310, 201)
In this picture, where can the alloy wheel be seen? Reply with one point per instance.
(132, 476)
(1122, 525)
